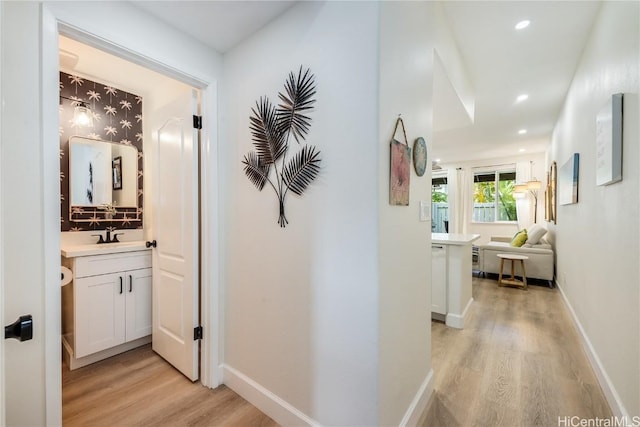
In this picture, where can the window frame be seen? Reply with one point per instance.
(444, 176)
(496, 171)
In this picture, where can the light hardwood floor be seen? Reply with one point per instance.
(518, 362)
(138, 388)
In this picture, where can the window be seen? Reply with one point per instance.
(439, 205)
(493, 199)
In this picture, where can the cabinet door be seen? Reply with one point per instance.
(100, 304)
(439, 279)
(138, 306)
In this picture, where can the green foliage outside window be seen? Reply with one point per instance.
(438, 197)
(494, 191)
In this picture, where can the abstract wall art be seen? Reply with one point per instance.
(609, 142)
(568, 180)
(400, 169)
(271, 129)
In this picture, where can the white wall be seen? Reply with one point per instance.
(486, 230)
(301, 302)
(22, 228)
(404, 243)
(597, 238)
(453, 63)
(144, 36)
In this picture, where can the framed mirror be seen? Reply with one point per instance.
(103, 181)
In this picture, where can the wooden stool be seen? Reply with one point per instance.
(512, 281)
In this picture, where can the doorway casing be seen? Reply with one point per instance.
(52, 26)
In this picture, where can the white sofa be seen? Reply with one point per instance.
(538, 266)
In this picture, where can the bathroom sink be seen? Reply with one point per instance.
(70, 251)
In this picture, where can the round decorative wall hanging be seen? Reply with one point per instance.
(420, 156)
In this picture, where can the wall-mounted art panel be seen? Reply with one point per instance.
(609, 142)
(568, 180)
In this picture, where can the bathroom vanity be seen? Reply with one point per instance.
(106, 309)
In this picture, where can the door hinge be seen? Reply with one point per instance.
(197, 122)
(197, 333)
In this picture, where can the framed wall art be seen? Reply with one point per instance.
(551, 193)
(568, 180)
(609, 142)
(117, 173)
(400, 169)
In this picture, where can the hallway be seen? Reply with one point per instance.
(519, 362)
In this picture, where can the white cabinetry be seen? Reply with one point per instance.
(451, 293)
(110, 306)
(439, 281)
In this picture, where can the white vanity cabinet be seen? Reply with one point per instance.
(108, 308)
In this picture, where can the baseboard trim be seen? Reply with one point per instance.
(74, 363)
(281, 411)
(458, 320)
(610, 393)
(419, 403)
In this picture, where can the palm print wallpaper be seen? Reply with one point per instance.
(117, 117)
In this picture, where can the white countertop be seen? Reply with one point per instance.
(71, 251)
(453, 239)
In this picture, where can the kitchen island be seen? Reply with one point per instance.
(451, 295)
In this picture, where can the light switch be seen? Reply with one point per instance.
(425, 210)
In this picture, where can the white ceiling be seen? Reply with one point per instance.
(219, 24)
(501, 62)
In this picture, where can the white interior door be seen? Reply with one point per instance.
(175, 228)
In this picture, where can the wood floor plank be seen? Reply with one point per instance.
(518, 362)
(139, 388)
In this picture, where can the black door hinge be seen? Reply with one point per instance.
(197, 122)
(197, 333)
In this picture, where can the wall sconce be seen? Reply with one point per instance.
(82, 114)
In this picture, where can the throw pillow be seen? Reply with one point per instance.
(519, 239)
(535, 233)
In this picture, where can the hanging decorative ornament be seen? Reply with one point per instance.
(420, 156)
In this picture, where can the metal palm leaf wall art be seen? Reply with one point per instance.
(271, 129)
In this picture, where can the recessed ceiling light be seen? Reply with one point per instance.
(522, 24)
(522, 131)
(522, 150)
(522, 97)
(437, 160)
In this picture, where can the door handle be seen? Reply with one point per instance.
(120, 284)
(130, 283)
(151, 244)
(21, 329)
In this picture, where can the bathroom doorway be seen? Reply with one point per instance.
(168, 210)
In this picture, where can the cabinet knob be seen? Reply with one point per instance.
(151, 244)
